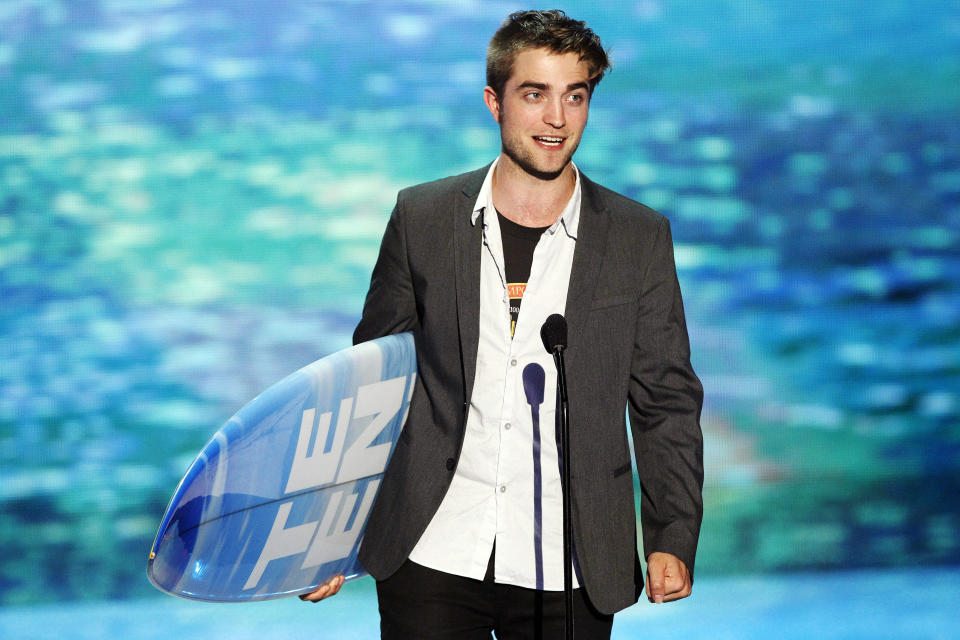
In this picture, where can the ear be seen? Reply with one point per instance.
(492, 101)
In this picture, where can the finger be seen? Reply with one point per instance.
(677, 583)
(679, 594)
(656, 589)
(317, 595)
(331, 588)
(674, 584)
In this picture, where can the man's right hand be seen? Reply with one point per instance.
(324, 591)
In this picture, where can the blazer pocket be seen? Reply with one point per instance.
(622, 469)
(613, 301)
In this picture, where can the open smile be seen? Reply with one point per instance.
(550, 142)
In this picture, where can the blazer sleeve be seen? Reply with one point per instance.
(664, 403)
(390, 306)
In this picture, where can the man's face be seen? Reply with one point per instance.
(542, 110)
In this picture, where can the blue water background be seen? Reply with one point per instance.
(907, 604)
(192, 193)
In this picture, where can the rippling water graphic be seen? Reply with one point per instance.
(192, 195)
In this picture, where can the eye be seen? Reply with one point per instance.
(533, 96)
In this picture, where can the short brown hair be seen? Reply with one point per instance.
(551, 30)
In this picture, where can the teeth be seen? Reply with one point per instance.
(549, 140)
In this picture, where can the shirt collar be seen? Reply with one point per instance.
(570, 218)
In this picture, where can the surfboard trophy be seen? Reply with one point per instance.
(276, 502)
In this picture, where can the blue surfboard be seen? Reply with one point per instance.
(276, 503)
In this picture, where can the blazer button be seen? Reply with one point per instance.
(451, 463)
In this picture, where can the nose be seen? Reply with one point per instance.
(553, 113)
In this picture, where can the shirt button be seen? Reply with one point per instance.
(451, 463)
(507, 426)
(513, 362)
(503, 488)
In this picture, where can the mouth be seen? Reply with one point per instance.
(550, 142)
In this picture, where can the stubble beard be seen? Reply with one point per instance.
(513, 148)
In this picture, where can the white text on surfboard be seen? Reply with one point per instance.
(329, 538)
(324, 541)
(313, 468)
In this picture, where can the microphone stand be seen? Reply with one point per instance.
(554, 336)
(565, 481)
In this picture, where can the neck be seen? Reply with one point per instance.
(528, 200)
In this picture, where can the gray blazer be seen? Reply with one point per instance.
(628, 349)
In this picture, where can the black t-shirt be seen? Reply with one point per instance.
(518, 245)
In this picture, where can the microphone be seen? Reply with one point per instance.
(534, 381)
(554, 336)
(554, 333)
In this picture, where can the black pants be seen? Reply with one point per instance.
(417, 602)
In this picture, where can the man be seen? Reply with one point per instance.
(465, 536)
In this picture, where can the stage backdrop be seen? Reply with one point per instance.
(192, 193)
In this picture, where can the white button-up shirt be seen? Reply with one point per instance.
(507, 483)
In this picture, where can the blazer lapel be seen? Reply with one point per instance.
(587, 259)
(467, 240)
